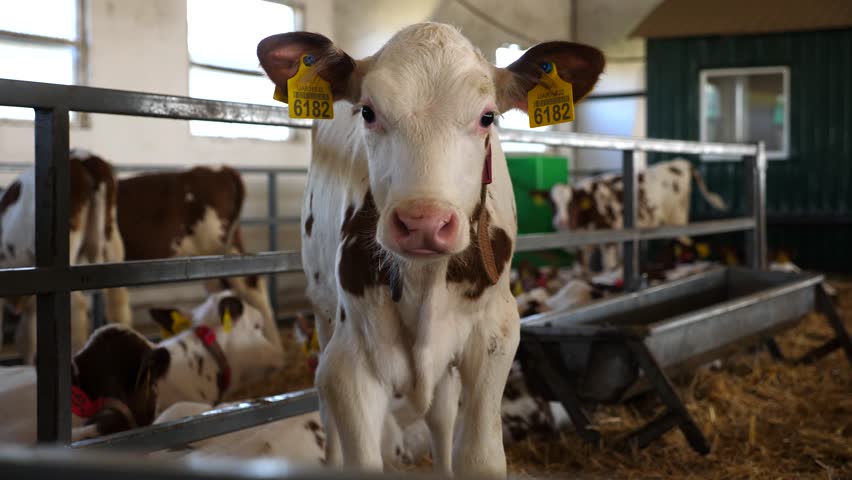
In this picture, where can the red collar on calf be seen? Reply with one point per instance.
(208, 337)
(82, 405)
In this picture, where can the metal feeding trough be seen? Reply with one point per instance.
(607, 351)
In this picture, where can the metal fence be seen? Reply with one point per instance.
(52, 278)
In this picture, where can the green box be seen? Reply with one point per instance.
(532, 176)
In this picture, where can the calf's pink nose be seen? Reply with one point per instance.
(424, 230)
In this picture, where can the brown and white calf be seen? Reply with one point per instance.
(113, 385)
(406, 244)
(596, 203)
(190, 213)
(300, 439)
(94, 238)
(215, 349)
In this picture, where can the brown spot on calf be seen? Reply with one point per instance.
(467, 266)
(10, 196)
(361, 263)
(309, 225)
(154, 211)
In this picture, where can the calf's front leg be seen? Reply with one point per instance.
(484, 370)
(356, 403)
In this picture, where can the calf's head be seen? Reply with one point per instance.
(239, 331)
(116, 375)
(426, 103)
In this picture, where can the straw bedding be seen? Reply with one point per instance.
(765, 419)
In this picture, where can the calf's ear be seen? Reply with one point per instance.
(171, 320)
(280, 55)
(230, 311)
(154, 365)
(578, 64)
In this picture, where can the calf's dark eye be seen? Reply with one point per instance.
(487, 119)
(368, 114)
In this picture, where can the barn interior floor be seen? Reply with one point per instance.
(765, 419)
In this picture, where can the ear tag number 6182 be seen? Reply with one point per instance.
(552, 100)
(308, 94)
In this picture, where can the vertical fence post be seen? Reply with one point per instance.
(754, 173)
(98, 310)
(51, 244)
(272, 217)
(631, 201)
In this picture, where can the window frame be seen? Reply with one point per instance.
(298, 24)
(81, 60)
(739, 116)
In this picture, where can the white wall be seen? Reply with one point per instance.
(606, 24)
(141, 45)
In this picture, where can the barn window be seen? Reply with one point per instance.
(747, 105)
(222, 37)
(41, 41)
(515, 118)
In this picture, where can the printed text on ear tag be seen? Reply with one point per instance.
(552, 100)
(227, 323)
(308, 95)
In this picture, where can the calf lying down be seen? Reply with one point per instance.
(113, 384)
(405, 439)
(120, 379)
(215, 349)
(300, 439)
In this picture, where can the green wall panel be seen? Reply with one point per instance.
(809, 195)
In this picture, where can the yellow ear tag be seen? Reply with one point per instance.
(552, 100)
(179, 323)
(227, 323)
(585, 204)
(308, 95)
(538, 200)
(315, 341)
(703, 250)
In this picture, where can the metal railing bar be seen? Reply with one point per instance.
(543, 241)
(709, 227)
(16, 93)
(26, 463)
(609, 142)
(17, 166)
(34, 38)
(52, 187)
(26, 281)
(209, 424)
(270, 221)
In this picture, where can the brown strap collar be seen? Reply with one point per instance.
(208, 337)
(486, 252)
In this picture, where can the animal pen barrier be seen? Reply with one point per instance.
(52, 278)
(271, 220)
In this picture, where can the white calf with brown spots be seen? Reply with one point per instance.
(596, 203)
(94, 238)
(409, 226)
(222, 349)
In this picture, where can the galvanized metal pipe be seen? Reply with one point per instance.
(272, 216)
(213, 423)
(25, 281)
(608, 142)
(630, 274)
(16, 93)
(53, 338)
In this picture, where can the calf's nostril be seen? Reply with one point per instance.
(401, 227)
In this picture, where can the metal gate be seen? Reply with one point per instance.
(52, 278)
